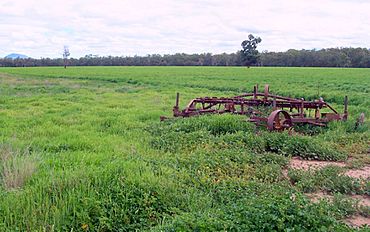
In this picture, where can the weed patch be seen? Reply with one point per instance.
(329, 178)
(187, 134)
(16, 167)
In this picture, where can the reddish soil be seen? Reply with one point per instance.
(363, 173)
(316, 197)
(298, 163)
(362, 199)
(357, 221)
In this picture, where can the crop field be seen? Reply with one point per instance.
(82, 149)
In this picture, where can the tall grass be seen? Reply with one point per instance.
(86, 151)
(16, 167)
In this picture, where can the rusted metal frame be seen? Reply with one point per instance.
(307, 104)
(311, 121)
(274, 121)
(276, 104)
(269, 95)
(345, 113)
(249, 102)
(331, 108)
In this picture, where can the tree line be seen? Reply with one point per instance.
(331, 57)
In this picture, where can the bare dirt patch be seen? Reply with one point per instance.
(363, 173)
(363, 200)
(298, 163)
(312, 165)
(318, 196)
(357, 221)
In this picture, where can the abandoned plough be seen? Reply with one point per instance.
(286, 111)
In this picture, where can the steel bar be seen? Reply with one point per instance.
(279, 119)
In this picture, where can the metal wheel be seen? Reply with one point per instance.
(279, 120)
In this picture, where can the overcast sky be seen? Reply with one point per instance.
(40, 28)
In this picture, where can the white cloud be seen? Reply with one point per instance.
(128, 27)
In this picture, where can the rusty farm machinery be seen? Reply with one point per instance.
(285, 111)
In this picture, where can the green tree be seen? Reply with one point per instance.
(65, 55)
(249, 52)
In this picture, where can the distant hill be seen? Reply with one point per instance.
(16, 56)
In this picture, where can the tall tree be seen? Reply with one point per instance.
(249, 52)
(65, 55)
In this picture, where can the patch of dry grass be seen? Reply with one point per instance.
(16, 167)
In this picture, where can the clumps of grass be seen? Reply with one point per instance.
(303, 146)
(256, 206)
(270, 158)
(269, 173)
(268, 167)
(353, 141)
(364, 210)
(215, 124)
(204, 168)
(127, 196)
(367, 188)
(228, 131)
(127, 89)
(308, 129)
(328, 179)
(16, 167)
(345, 206)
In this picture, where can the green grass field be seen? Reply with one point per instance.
(82, 149)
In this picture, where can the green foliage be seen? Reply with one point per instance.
(188, 134)
(215, 124)
(272, 158)
(304, 146)
(344, 206)
(328, 179)
(332, 57)
(126, 196)
(261, 208)
(100, 160)
(249, 52)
